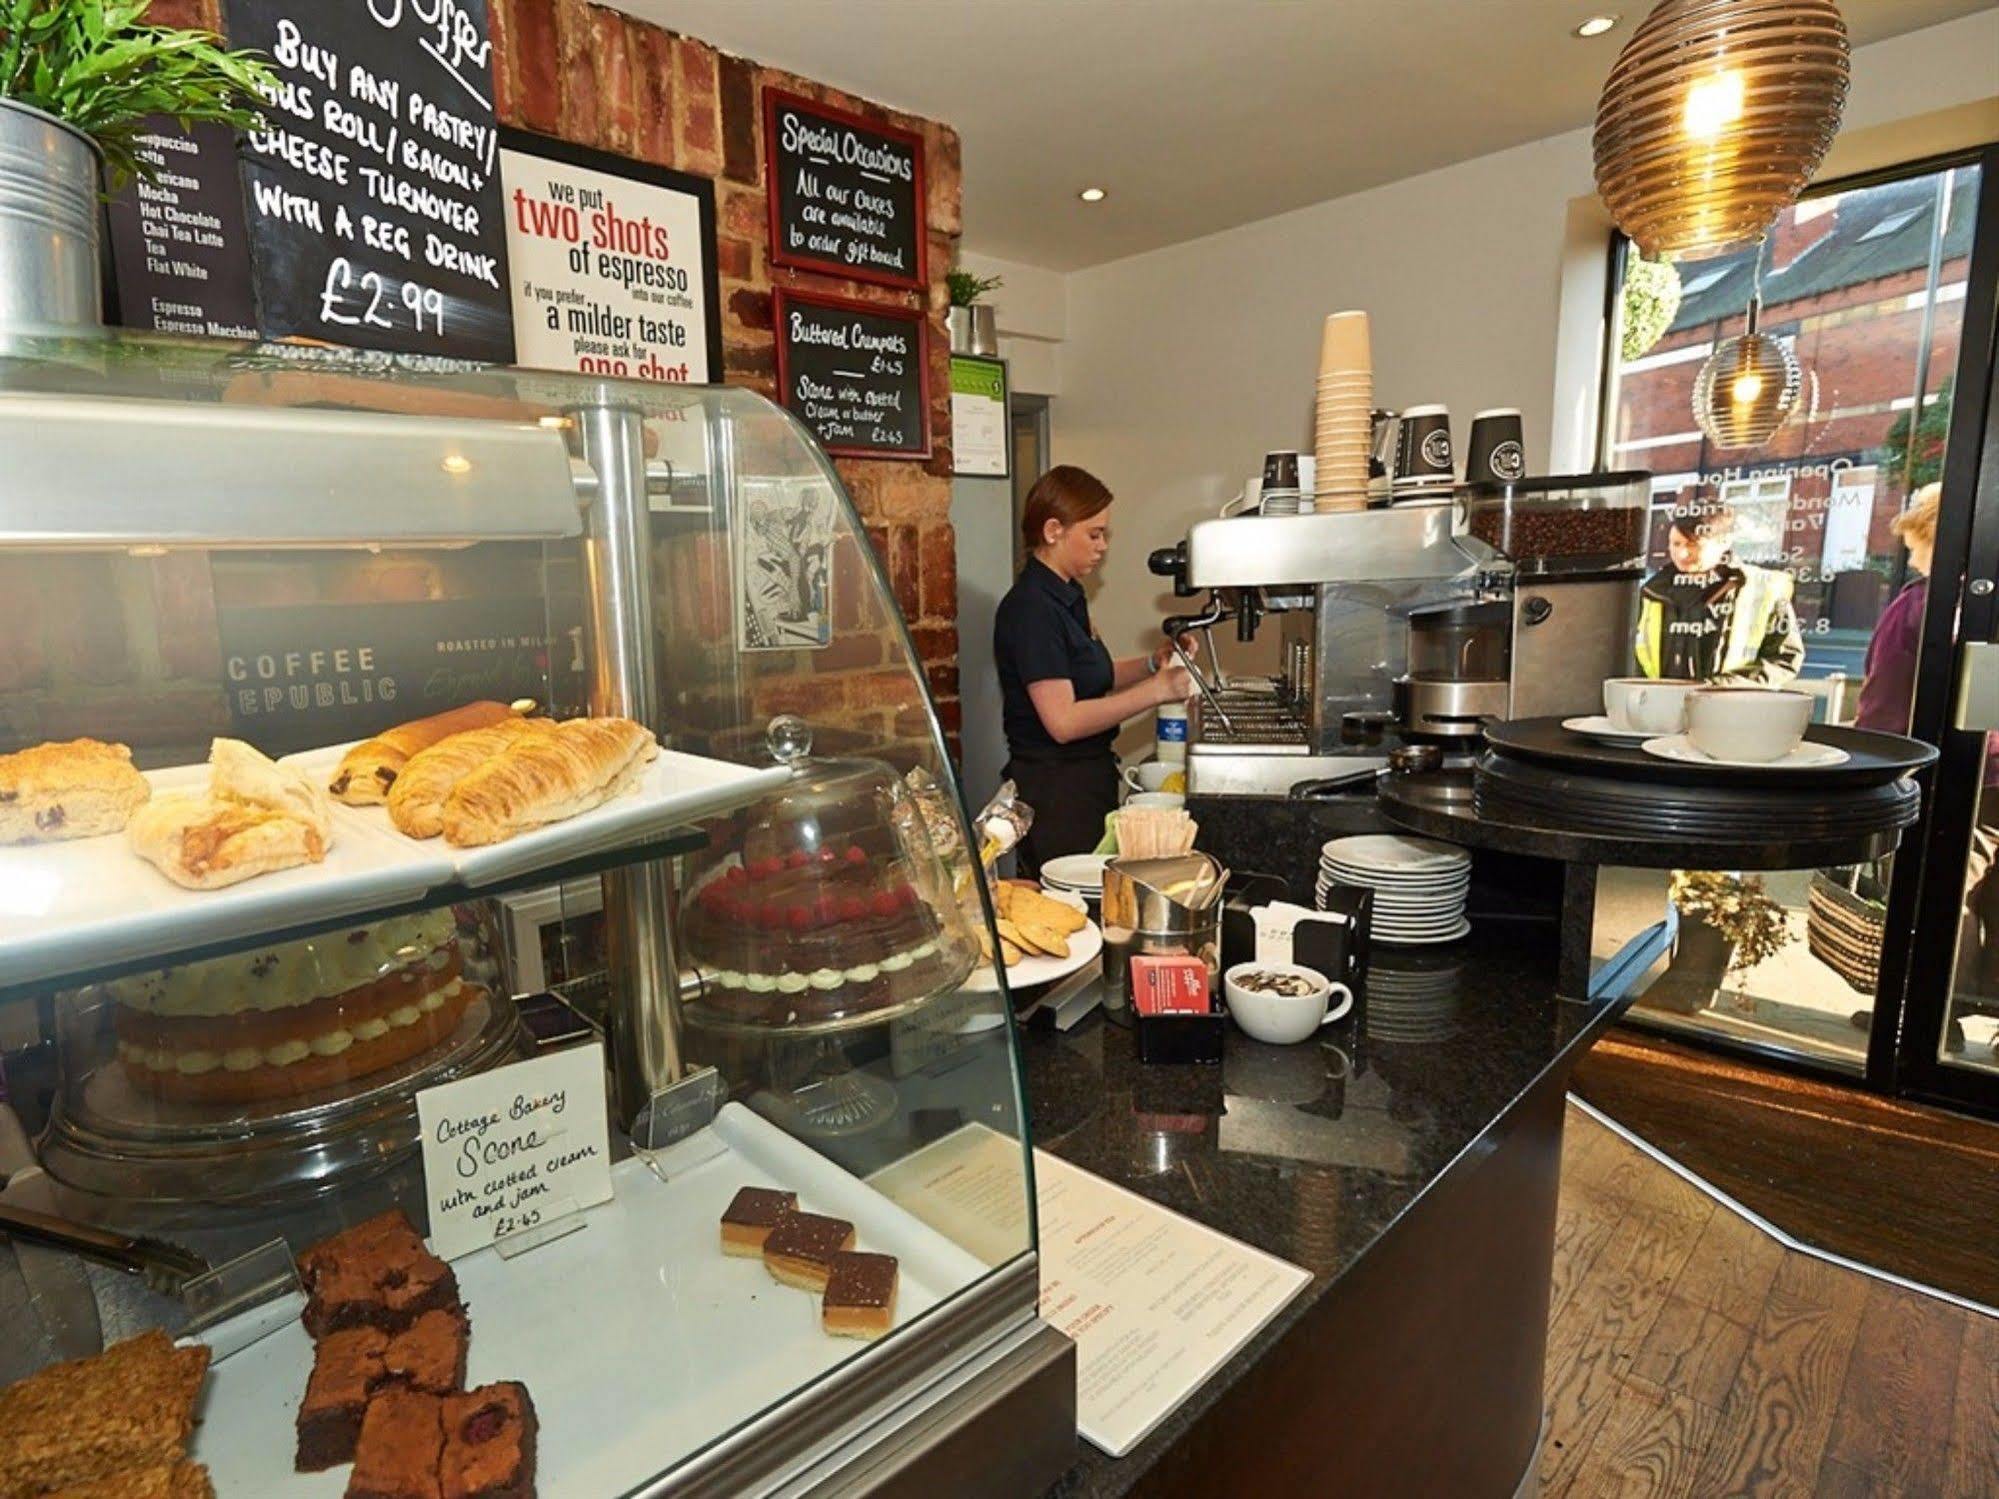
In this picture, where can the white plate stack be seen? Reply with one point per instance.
(1075, 874)
(1419, 885)
(1344, 411)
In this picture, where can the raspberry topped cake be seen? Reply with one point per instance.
(280, 1021)
(817, 932)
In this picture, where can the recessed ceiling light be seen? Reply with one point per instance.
(1596, 26)
(1092, 195)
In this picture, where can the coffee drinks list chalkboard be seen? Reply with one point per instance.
(856, 374)
(373, 187)
(846, 195)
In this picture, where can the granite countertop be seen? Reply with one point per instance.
(1310, 1152)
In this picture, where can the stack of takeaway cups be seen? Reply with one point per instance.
(1345, 403)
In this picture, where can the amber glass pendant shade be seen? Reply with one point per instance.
(1748, 388)
(1715, 117)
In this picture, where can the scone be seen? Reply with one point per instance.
(82, 789)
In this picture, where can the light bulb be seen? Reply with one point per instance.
(1713, 104)
(457, 463)
(1747, 387)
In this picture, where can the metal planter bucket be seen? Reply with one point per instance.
(50, 177)
(975, 330)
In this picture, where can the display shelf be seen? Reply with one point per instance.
(673, 1341)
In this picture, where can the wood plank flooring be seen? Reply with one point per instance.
(1691, 1354)
(1912, 1190)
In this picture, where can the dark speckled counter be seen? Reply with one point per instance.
(1410, 1163)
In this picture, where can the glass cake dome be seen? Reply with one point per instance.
(822, 907)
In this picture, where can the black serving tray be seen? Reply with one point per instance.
(1876, 758)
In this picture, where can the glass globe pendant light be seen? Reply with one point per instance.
(1715, 117)
(1748, 388)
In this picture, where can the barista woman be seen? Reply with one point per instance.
(1063, 696)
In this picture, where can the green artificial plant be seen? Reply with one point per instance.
(95, 67)
(1651, 302)
(966, 289)
(1738, 907)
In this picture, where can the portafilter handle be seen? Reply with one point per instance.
(1177, 625)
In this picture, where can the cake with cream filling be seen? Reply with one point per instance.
(281, 1021)
(816, 933)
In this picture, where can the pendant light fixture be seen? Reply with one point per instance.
(1748, 387)
(1714, 119)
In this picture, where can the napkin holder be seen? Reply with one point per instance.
(1334, 942)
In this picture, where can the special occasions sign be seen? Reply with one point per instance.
(612, 263)
(854, 373)
(846, 195)
(373, 187)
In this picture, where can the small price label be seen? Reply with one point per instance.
(515, 1149)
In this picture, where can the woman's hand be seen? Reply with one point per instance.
(1173, 684)
(1163, 652)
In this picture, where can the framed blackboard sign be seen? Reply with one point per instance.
(180, 250)
(612, 263)
(858, 375)
(846, 195)
(373, 188)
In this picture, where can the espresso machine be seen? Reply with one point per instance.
(1404, 625)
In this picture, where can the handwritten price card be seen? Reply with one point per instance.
(515, 1148)
(373, 186)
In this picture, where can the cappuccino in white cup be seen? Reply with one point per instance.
(1748, 723)
(1648, 705)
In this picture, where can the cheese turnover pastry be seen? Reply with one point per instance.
(545, 778)
(201, 843)
(416, 798)
(81, 789)
(237, 773)
(368, 770)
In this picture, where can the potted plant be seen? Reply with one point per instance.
(79, 80)
(1651, 302)
(1728, 924)
(974, 329)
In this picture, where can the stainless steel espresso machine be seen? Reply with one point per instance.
(1405, 625)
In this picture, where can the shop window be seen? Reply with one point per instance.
(1867, 285)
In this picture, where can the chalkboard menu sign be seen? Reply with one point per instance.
(180, 251)
(856, 374)
(846, 195)
(373, 189)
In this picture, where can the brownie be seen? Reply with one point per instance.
(130, 1407)
(375, 1274)
(180, 1480)
(430, 1355)
(346, 1369)
(489, 1438)
(750, 1216)
(402, 1440)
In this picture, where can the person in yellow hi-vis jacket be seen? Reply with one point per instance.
(1707, 617)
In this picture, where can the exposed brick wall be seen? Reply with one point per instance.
(595, 77)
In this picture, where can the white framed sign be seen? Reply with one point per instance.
(611, 263)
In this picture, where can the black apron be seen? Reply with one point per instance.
(1071, 796)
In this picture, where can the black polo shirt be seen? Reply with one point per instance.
(1040, 632)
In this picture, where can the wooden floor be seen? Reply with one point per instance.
(1690, 1353)
(1911, 1190)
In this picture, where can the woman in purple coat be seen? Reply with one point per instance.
(1886, 694)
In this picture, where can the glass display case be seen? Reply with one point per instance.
(346, 701)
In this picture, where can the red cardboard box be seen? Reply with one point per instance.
(1170, 984)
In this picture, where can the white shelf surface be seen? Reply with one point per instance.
(639, 1340)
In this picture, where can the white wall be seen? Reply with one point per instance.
(1032, 309)
(1179, 367)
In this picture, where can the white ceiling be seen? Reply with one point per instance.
(1200, 114)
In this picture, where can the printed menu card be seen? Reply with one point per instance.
(1154, 1302)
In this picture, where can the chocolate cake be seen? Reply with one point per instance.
(402, 1441)
(799, 1251)
(353, 1366)
(750, 1216)
(860, 1295)
(489, 1440)
(375, 1274)
(817, 933)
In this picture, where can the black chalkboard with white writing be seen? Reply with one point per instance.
(846, 195)
(180, 251)
(373, 188)
(856, 374)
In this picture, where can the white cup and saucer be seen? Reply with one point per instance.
(1169, 801)
(1747, 728)
(1637, 709)
(1151, 775)
(1283, 1003)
